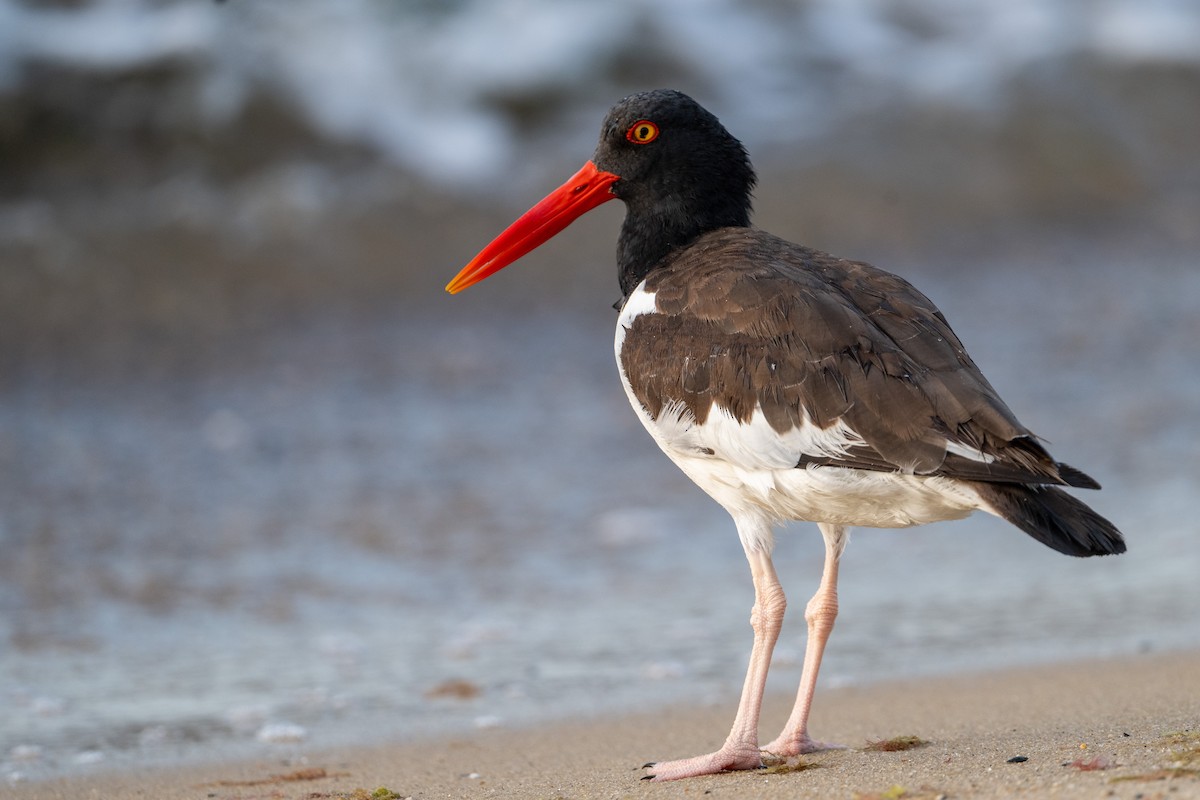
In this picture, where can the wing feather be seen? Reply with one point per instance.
(749, 323)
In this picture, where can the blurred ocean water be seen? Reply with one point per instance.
(233, 523)
(456, 90)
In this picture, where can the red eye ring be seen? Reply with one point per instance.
(642, 132)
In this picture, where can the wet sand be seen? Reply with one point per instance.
(1126, 728)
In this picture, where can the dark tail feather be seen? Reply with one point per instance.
(1054, 518)
(1075, 477)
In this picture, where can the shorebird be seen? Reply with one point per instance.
(789, 384)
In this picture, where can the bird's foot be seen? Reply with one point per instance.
(786, 747)
(728, 758)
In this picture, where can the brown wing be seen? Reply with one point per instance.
(750, 320)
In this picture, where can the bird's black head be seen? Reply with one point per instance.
(678, 170)
(680, 174)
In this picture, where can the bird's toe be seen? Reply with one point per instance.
(727, 759)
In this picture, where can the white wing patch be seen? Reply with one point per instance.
(752, 444)
(968, 452)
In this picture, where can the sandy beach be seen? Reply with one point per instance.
(1127, 728)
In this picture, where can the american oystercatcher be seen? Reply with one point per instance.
(789, 384)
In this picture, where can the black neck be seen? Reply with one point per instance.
(652, 231)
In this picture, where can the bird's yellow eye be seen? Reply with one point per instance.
(642, 132)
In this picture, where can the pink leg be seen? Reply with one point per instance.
(820, 615)
(740, 750)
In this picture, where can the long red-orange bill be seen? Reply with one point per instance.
(585, 190)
